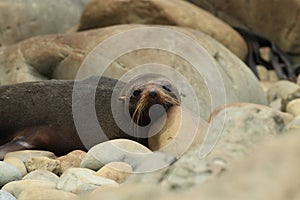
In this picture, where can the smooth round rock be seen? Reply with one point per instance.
(117, 171)
(293, 107)
(262, 73)
(80, 181)
(8, 173)
(280, 90)
(42, 163)
(273, 76)
(26, 154)
(17, 163)
(72, 159)
(4, 195)
(44, 193)
(16, 187)
(118, 150)
(42, 175)
(294, 124)
(181, 130)
(100, 13)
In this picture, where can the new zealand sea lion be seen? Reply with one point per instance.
(38, 115)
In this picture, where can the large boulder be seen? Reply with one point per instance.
(101, 13)
(277, 20)
(23, 19)
(60, 56)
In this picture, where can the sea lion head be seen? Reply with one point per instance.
(147, 92)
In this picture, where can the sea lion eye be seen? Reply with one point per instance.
(167, 88)
(136, 93)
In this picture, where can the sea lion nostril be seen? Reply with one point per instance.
(152, 93)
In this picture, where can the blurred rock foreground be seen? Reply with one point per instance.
(257, 153)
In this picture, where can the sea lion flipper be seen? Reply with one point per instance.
(14, 145)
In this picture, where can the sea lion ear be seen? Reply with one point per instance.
(122, 98)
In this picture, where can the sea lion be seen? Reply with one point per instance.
(38, 115)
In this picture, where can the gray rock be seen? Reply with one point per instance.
(34, 17)
(245, 127)
(4, 195)
(8, 173)
(42, 175)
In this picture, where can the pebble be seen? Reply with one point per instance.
(72, 159)
(42, 175)
(117, 171)
(8, 173)
(262, 73)
(118, 150)
(17, 163)
(26, 154)
(293, 107)
(44, 193)
(81, 181)
(16, 187)
(4, 195)
(295, 124)
(42, 163)
(273, 76)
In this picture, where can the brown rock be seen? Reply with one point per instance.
(60, 57)
(42, 163)
(117, 171)
(16, 187)
(72, 159)
(26, 154)
(100, 13)
(35, 17)
(277, 20)
(44, 193)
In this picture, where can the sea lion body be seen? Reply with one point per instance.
(38, 115)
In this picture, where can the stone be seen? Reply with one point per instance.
(127, 191)
(35, 17)
(266, 85)
(181, 130)
(80, 181)
(100, 13)
(17, 163)
(117, 171)
(42, 175)
(244, 127)
(278, 157)
(4, 195)
(16, 187)
(273, 75)
(44, 193)
(42, 163)
(280, 90)
(289, 98)
(293, 107)
(72, 159)
(265, 53)
(277, 21)
(60, 56)
(294, 124)
(8, 173)
(26, 154)
(262, 73)
(118, 150)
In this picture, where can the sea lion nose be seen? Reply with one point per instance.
(152, 93)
